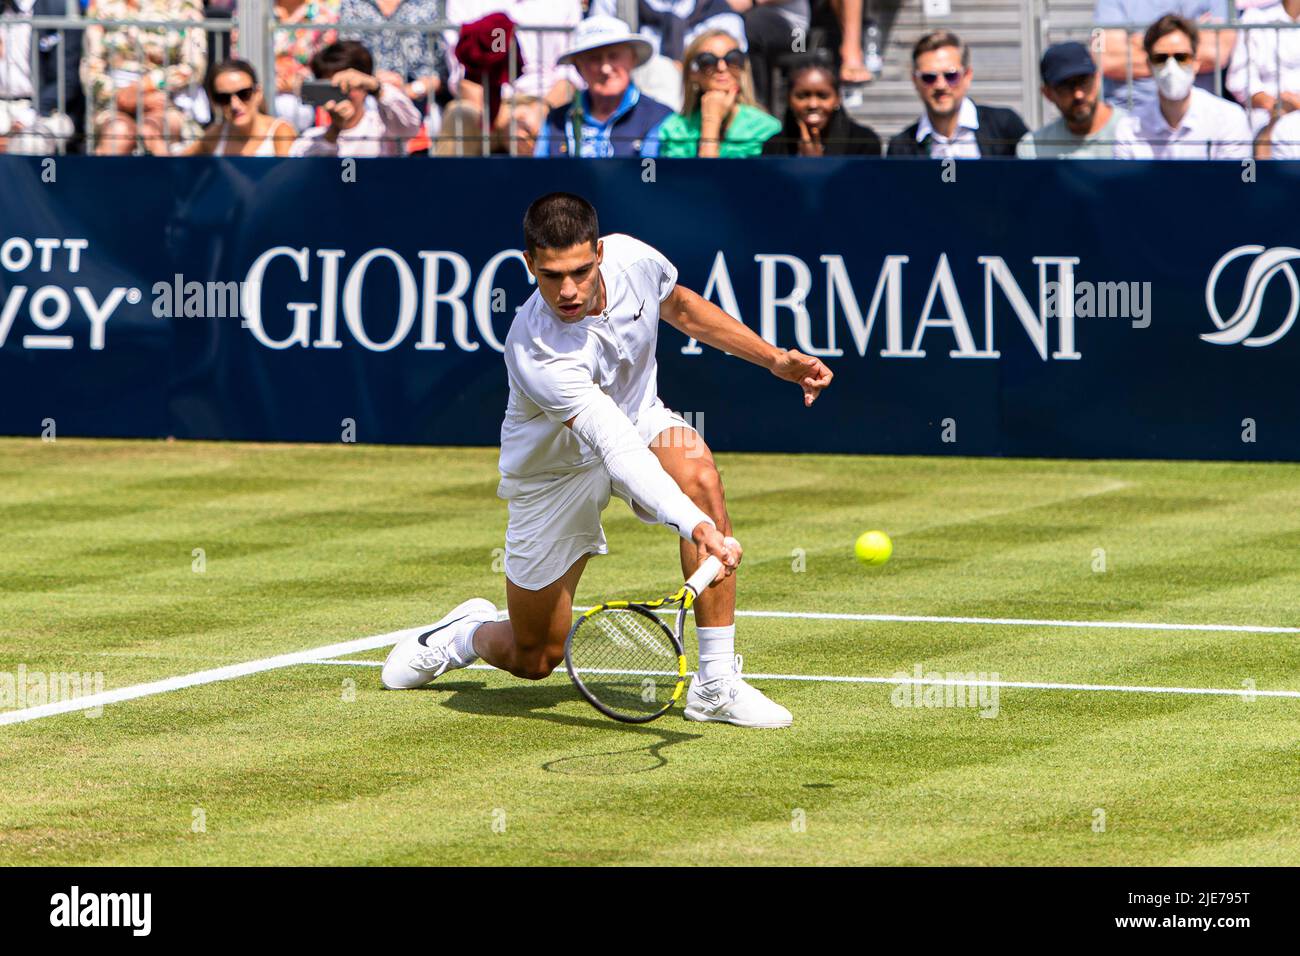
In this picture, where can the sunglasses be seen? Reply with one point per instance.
(223, 99)
(1160, 59)
(704, 62)
(951, 77)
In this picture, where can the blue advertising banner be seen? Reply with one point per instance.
(1073, 309)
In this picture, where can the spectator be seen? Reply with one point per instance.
(1120, 50)
(243, 128)
(528, 114)
(610, 117)
(413, 61)
(718, 117)
(150, 75)
(1087, 126)
(114, 135)
(815, 123)
(952, 126)
(373, 117)
(542, 75)
(1265, 70)
(541, 82)
(844, 20)
(294, 50)
(1184, 121)
(32, 120)
(671, 26)
(1280, 139)
(772, 29)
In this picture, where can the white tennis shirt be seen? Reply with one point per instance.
(556, 367)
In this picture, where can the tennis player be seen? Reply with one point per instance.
(584, 420)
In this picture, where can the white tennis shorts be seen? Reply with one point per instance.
(557, 521)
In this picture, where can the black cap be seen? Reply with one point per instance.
(1065, 61)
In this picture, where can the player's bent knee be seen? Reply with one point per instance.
(537, 665)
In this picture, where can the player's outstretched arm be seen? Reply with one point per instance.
(604, 427)
(699, 318)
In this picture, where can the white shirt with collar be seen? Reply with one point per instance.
(963, 144)
(1265, 61)
(15, 54)
(1212, 128)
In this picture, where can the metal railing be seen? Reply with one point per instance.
(61, 27)
(256, 42)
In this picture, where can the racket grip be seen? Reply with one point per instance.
(704, 575)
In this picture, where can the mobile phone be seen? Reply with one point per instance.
(320, 92)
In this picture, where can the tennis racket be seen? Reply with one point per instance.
(625, 659)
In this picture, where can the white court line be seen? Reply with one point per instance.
(315, 655)
(1008, 621)
(198, 678)
(1028, 685)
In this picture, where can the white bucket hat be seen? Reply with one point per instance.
(595, 32)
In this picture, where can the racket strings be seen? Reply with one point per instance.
(627, 659)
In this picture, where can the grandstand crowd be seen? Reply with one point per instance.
(568, 78)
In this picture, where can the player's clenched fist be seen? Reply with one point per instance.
(709, 541)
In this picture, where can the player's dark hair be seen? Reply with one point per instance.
(343, 55)
(560, 221)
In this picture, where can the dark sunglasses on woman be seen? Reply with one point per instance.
(223, 99)
(704, 62)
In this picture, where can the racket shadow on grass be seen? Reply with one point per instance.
(537, 702)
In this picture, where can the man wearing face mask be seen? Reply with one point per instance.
(1184, 121)
(1121, 52)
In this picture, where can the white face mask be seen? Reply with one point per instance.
(1174, 81)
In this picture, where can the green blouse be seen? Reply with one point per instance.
(679, 136)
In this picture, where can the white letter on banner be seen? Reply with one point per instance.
(1065, 332)
(944, 284)
(251, 299)
(328, 336)
(483, 295)
(405, 304)
(838, 287)
(720, 281)
(794, 301)
(453, 297)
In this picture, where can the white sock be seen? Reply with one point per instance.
(464, 644)
(717, 651)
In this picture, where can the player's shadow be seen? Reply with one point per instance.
(537, 702)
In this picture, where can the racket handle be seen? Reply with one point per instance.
(707, 571)
(704, 575)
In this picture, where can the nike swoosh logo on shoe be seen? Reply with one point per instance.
(421, 640)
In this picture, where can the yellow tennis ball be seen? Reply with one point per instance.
(873, 547)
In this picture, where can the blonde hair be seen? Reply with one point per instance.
(691, 90)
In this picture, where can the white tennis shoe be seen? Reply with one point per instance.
(732, 700)
(419, 659)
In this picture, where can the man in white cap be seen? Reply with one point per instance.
(611, 117)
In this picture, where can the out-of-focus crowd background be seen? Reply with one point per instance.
(1217, 79)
